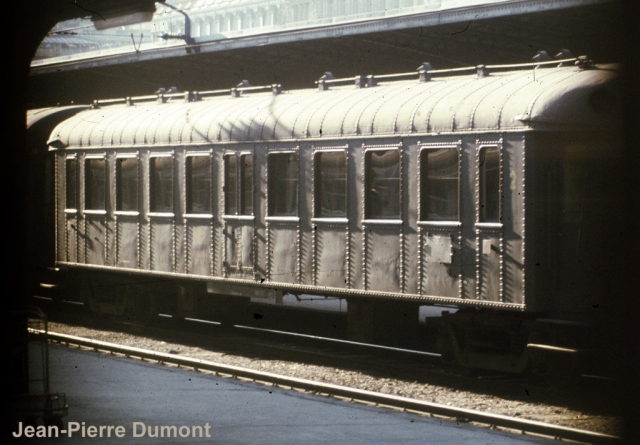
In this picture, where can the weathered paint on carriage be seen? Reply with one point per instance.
(463, 262)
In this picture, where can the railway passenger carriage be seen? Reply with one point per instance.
(482, 191)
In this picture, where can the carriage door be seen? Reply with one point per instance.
(161, 213)
(439, 225)
(489, 226)
(239, 246)
(330, 224)
(199, 213)
(283, 236)
(383, 225)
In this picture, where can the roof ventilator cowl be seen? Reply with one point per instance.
(584, 63)
(423, 72)
(164, 94)
(562, 56)
(237, 90)
(482, 70)
(322, 82)
(541, 56)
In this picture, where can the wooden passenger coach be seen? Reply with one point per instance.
(459, 189)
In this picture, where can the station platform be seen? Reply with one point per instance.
(129, 401)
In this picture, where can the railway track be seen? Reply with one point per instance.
(343, 392)
(591, 404)
(397, 362)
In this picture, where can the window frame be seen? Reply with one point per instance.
(240, 189)
(117, 183)
(151, 184)
(480, 192)
(187, 184)
(88, 158)
(367, 216)
(76, 187)
(422, 182)
(317, 216)
(271, 196)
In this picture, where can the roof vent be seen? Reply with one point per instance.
(563, 55)
(322, 82)
(276, 89)
(541, 56)
(237, 90)
(128, 101)
(160, 94)
(482, 70)
(423, 71)
(584, 63)
(192, 96)
(371, 81)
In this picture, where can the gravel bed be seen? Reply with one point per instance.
(560, 415)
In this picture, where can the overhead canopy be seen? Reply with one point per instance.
(529, 98)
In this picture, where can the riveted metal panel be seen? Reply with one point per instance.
(199, 247)
(383, 257)
(95, 240)
(71, 238)
(161, 244)
(330, 263)
(127, 241)
(282, 248)
(239, 245)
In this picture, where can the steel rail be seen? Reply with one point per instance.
(388, 400)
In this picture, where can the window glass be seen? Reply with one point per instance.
(161, 186)
(331, 184)
(94, 183)
(239, 184)
(71, 184)
(127, 184)
(246, 166)
(489, 184)
(231, 185)
(440, 185)
(382, 170)
(198, 171)
(283, 184)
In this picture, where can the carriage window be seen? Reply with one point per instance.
(198, 171)
(331, 184)
(382, 170)
(440, 185)
(246, 175)
(127, 184)
(72, 184)
(489, 184)
(238, 184)
(94, 182)
(283, 184)
(161, 187)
